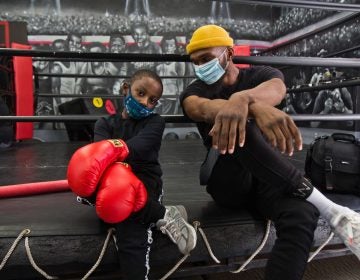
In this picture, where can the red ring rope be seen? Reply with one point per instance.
(34, 188)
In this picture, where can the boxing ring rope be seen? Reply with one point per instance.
(87, 96)
(168, 118)
(332, 85)
(302, 4)
(129, 57)
(100, 76)
(304, 88)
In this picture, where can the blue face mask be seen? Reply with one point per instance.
(211, 71)
(135, 109)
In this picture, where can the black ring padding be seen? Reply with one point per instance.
(127, 57)
(168, 118)
(256, 60)
(354, 48)
(331, 85)
(302, 4)
(102, 76)
(81, 118)
(85, 96)
(51, 59)
(89, 96)
(80, 75)
(298, 61)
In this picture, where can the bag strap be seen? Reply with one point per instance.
(328, 161)
(344, 137)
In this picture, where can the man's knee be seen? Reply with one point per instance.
(298, 215)
(308, 213)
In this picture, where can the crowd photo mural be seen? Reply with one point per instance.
(146, 26)
(302, 96)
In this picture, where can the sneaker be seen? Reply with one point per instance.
(346, 224)
(175, 225)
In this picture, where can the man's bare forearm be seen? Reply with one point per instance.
(208, 109)
(270, 92)
(205, 110)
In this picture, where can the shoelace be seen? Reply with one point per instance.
(172, 230)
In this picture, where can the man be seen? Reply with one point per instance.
(70, 85)
(98, 68)
(45, 106)
(117, 44)
(336, 101)
(143, 45)
(172, 86)
(75, 42)
(244, 133)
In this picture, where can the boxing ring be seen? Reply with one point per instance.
(63, 238)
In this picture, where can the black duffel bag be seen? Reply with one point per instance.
(333, 163)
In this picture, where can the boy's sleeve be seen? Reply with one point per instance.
(102, 130)
(148, 138)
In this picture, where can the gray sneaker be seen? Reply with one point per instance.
(346, 224)
(175, 225)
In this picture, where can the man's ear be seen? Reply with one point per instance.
(230, 52)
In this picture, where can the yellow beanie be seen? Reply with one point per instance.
(209, 36)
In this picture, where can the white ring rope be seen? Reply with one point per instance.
(28, 253)
(171, 271)
(102, 253)
(197, 227)
(34, 265)
(266, 236)
(176, 266)
(13, 246)
(321, 247)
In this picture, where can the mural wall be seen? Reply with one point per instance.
(340, 41)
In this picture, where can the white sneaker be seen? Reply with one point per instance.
(175, 225)
(346, 224)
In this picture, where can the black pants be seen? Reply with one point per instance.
(134, 235)
(256, 176)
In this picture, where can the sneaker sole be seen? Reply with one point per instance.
(191, 244)
(192, 230)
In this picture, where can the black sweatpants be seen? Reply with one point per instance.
(134, 235)
(257, 177)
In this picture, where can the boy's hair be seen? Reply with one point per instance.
(146, 73)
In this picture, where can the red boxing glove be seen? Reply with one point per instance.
(120, 193)
(88, 163)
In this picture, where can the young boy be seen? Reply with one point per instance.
(129, 193)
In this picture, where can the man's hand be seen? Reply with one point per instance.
(328, 104)
(339, 105)
(278, 127)
(230, 123)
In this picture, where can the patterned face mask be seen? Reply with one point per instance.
(135, 109)
(210, 72)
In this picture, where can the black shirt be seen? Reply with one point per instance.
(143, 138)
(248, 78)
